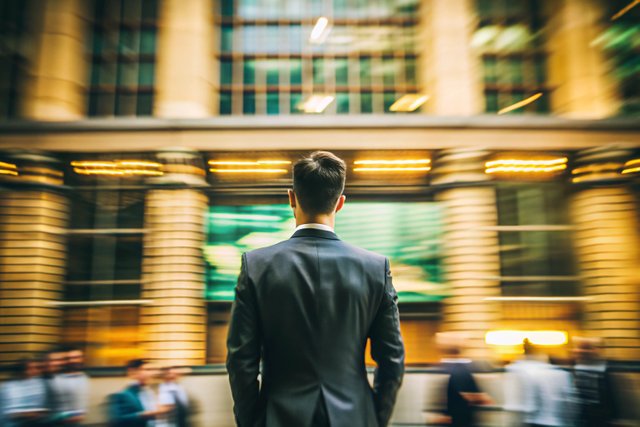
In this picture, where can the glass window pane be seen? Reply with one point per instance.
(491, 99)
(147, 41)
(389, 99)
(365, 71)
(226, 7)
(146, 74)
(295, 71)
(226, 73)
(342, 103)
(273, 75)
(127, 74)
(226, 38)
(410, 66)
(106, 104)
(318, 71)
(249, 103)
(145, 104)
(389, 71)
(249, 72)
(107, 73)
(273, 103)
(225, 103)
(126, 104)
(490, 70)
(366, 102)
(342, 72)
(295, 102)
(149, 10)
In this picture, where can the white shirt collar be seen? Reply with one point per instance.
(315, 226)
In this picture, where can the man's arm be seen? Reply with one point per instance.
(243, 350)
(387, 350)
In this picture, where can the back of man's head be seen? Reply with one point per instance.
(318, 182)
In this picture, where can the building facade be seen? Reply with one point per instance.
(493, 153)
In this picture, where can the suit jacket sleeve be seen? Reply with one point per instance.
(123, 411)
(387, 350)
(243, 350)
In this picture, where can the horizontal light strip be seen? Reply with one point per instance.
(117, 167)
(8, 165)
(526, 162)
(8, 172)
(602, 167)
(252, 170)
(520, 104)
(632, 162)
(405, 169)
(248, 163)
(408, 103)
(117, 172)
(393, 162)
(317, 103)
(514, 337)
(631, 170)
(625, 9)
(540, 227)
(538, 299)
(102, 303)
(525, 169)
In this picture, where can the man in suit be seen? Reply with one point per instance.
(305, 308)
(135, 406)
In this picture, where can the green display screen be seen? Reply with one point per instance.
(409, 233)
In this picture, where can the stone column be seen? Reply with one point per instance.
(578, 70)
(33, 222)
(58, 79)
(449, 70)
(606, 219)
(174, 322)
(471, 247)
(185, 64)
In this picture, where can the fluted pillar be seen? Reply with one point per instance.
(470, 246)
(450, 71)
(33, 222)
(174, 322)
(607, 244)
(185, 83)
(57, 81)
(584, 86)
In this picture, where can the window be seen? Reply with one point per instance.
(12, 59)
(368, 48)
(536, 252)
(509, 39)
(123, 58)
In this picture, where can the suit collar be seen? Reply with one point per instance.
(313, 232)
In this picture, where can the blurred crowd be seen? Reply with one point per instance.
(54, 391)
(536, 391)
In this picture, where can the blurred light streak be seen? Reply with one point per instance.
(514, 337)
(320, 31)
(317, 103)
(392, 169)
(627, 169)
(392, 162)
(248, 163)
(625, 9)
(249, 170)
(525, 169)
(8, 169)
(632, 170)
(117, 168)
(537, 299)
(603, 167)
(526, 162)
(520, 104)
(408, 103)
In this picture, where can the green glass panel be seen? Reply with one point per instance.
(318, 71)
(225, 103)
(365, 71)
(273, 103)
(226, 37)
(249, 103)
(295, 99)
(145, 104)
(342, 72)
(226, 71)
(147, 41)
(147, 70)
(366, 102)
(249, 72)
(342, 103)
(295, 71)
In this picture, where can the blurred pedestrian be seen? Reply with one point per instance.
(173, 398)
(71, 386)
(538, 393)
(463, 392)
(54, 361)
(594, 385)
(135, 406)
(24, 398)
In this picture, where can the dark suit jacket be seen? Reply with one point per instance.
(305, 308)
(125, 408)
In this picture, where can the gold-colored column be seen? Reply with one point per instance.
(607, 245)
(449, 70)
(174, 322)
(33, 222)
(470, 245)
(583, 84)
(185, 62)
(56, 86)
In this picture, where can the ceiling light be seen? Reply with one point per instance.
(409, 102)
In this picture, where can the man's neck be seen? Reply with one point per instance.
(328, 220)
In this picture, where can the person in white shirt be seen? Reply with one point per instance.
(173, 398)
(72, 388)
(24, 399)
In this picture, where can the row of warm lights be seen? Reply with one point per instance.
(632, 166)
(256, 167)
(8, 169)
(403, 165)
(526, 165)
(117, 168)
(248, 166)
(514, 337)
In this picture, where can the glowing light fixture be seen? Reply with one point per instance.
(393, 165)
(117, 168)
(625, 9)
(320, 31)
(248, 170)
(632, 166)
(409, 102)
(515, 337)
(520, 104)
(526, 165)
(248, 162)
(8, 169)
(317, 103)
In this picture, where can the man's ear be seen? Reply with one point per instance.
(292, 198)
(341, 201)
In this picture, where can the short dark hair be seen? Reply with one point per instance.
(318, 181)
(136, 363)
